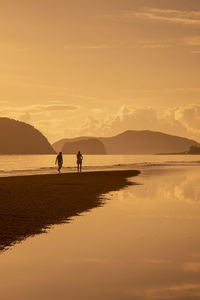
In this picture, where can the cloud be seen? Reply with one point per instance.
(57, 120)
(188, 41)
(129, 117)
(181, 291)
(180, 121)
(91, 46)
(55, 90)
(72, 95)
(157, 45)
(170, 16)
(164, 15)
(153, 44)
(97, 111)
(37, 108)
(189, 117)
(26, 117)
(50, 119)
(60, 107)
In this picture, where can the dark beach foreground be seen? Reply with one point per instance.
(30, 204)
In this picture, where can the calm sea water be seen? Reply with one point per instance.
(143, 244)
(15, 165)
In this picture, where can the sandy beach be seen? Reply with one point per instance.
(30, 204)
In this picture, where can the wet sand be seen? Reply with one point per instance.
(29, 205)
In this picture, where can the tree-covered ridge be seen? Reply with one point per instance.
(17, 137)
(86, 146)
(194, 150)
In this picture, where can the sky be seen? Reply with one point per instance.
(100, 67)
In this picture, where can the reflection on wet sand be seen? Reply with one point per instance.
(143, 244)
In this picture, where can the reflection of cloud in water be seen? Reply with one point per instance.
(167, 188)
(188, 190)
(173, 194)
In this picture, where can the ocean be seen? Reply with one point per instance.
(143, 243)
(18, 165)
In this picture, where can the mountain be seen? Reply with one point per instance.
(20, 138)
(146, 142)
(86, 146)
(140, 142)
(57, 146)
(194, 150)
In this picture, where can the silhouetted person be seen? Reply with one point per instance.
(79, 161)
(59, 161)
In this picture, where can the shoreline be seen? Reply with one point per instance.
(30, 205)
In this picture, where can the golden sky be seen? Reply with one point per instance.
(99, 67)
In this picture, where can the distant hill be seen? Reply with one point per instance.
(86, 146)
(20, 138)
(146, 142)
(194, 150)
(140, 142)
(57, 146)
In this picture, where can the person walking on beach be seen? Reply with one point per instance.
(79, 161)
(59, 161)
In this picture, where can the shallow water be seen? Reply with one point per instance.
(16, 165)
(142, 244)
